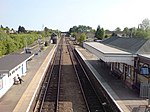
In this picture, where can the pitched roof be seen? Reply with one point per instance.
(9, 62)
(108, 40)
(116, 32)
(106, 49)
(133, 45)
(90, 35)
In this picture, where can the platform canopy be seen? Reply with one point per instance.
(109, 54)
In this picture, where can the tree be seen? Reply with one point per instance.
(100, 33)
(75, 35)
(143, 30)
(3, 48)
(46, 31)
(21, 29)
(80, 29)
(145, 25)
(126, 31)
(11, 46)
(7, 27)
(114, 34)
(2, 26)
(12, 42)
(97, 33)
(117, 29)
(82, 38)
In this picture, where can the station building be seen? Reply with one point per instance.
(11, 66)
(127, 58)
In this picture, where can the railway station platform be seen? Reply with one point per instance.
(126, 99)
(19, 97)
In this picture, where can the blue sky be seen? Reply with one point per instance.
(63, 14)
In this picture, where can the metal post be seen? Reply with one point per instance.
(148, 97)
(44, 32)
(26, 42)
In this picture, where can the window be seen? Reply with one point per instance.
(144, 71)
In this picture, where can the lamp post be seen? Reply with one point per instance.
(26, 42)
(44, 32)
(148, 97)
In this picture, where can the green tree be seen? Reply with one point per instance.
(80, 29)
(21, 29)
(118, 29)
(46, 32)
(145, 25)
(75, 35)
(2, 26)
(73, 29)
(126, 31)
(100, 33)
(82, 38)
(97, 33)
(3, 37)
(140, 34)
(143, 30)
(11, 46)
(3, 48)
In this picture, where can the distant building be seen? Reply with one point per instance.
(90, 35)
(12, 31)
(115, 33)
(65, 34)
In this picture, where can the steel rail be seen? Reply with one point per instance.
(47, 82)
(45, 85)
(88, 81)
(59, 79)
(49, 79)
(82, 91)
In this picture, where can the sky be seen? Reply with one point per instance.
(64, 14)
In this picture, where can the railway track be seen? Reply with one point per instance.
(93, 103)
(51, 93)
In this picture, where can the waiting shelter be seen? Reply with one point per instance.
(10, 66)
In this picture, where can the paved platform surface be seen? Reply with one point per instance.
(127, 99)
(9, 101)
